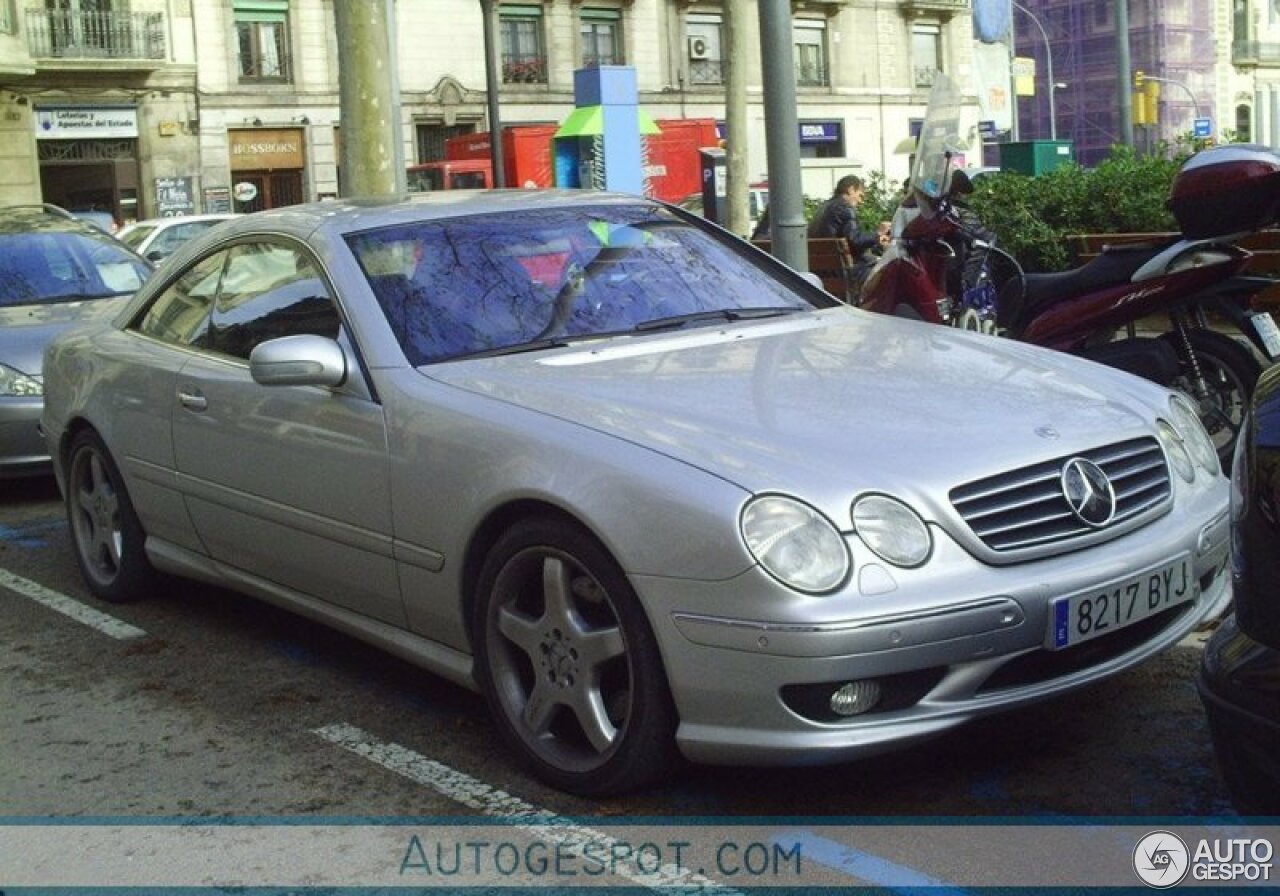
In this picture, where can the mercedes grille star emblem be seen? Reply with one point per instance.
(1088, 492)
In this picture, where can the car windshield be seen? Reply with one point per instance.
(47, 266)
(489, 284)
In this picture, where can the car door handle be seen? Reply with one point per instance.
(193, 401)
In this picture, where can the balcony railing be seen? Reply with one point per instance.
(1253, 52)
(521, 69)
(811, 74)
(262, 69)
(64, 34)
(923, 75)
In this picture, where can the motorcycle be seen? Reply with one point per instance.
(943, 267)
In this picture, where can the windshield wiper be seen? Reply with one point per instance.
(730, 314)
(533, 345)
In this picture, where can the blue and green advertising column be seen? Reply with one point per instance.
(600, 146)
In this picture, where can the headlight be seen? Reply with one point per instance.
(1178, 455)
(1187, 422)
(796, 544)
(892, 530)
(1240, 474)
(18, 385)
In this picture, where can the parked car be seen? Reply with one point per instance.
(55, 272)
(158, 238)
(1239, 679)
(757, 202)
(649, 490)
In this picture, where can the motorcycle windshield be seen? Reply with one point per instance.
(939, 139)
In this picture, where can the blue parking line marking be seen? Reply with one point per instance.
(28, 536)
(867, 867)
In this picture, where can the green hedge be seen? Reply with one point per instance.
(1033, 216)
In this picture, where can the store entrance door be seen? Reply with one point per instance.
(272, 189)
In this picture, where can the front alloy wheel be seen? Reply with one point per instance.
(569, 663)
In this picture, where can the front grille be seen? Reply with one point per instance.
(1026, 509)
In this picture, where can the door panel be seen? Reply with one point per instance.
(288, 483)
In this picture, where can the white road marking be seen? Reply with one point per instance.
(487, 800)
(85, 615)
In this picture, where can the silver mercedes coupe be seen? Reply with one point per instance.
(648, 490)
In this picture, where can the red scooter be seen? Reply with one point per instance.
(944, 268)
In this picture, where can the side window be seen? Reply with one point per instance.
(269, 291)
(180, 314)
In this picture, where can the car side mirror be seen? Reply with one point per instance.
(155, 255)
(303, 360)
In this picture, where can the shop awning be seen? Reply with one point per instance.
(588, 121)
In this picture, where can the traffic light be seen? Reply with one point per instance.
(1139, 78)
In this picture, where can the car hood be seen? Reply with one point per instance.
(25, 330)
(828, 403)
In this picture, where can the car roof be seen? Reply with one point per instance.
(183, 219)
(26, 218)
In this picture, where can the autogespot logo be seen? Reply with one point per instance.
(1161, 859)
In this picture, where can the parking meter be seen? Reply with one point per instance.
(714, 192)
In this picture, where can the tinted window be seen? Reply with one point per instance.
(487, 282)
(180, 314)
(48, 266)
(268, 291)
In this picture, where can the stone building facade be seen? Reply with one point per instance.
(235, 102)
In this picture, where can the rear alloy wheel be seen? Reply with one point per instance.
(569, 663)
(105, 531)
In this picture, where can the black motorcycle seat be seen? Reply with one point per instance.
(1113, 266)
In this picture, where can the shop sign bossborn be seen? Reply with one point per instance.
(262, 149)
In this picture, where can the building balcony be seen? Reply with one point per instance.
(125, 37)
(523, 69)
(1254, 52)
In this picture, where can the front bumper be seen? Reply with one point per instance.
(23, 451)
(949, 642)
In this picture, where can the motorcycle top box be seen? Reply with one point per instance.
(1226, 190)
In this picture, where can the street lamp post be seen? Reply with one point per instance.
(1048, 62)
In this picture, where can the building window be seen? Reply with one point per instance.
(926, 53)
(1102, 20)
(706, 60)
(262, 40)
(6, 17)
(811, 53)
(822, 140)
(1244, 123)
(524, 56)
(601, 37)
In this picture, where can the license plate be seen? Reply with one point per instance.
(1268, 332)
(1100, 611)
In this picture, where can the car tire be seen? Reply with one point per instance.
(105, 532)
(569, 663)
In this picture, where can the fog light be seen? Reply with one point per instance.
(855, 697)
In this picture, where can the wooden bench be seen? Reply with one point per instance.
(831, 260)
